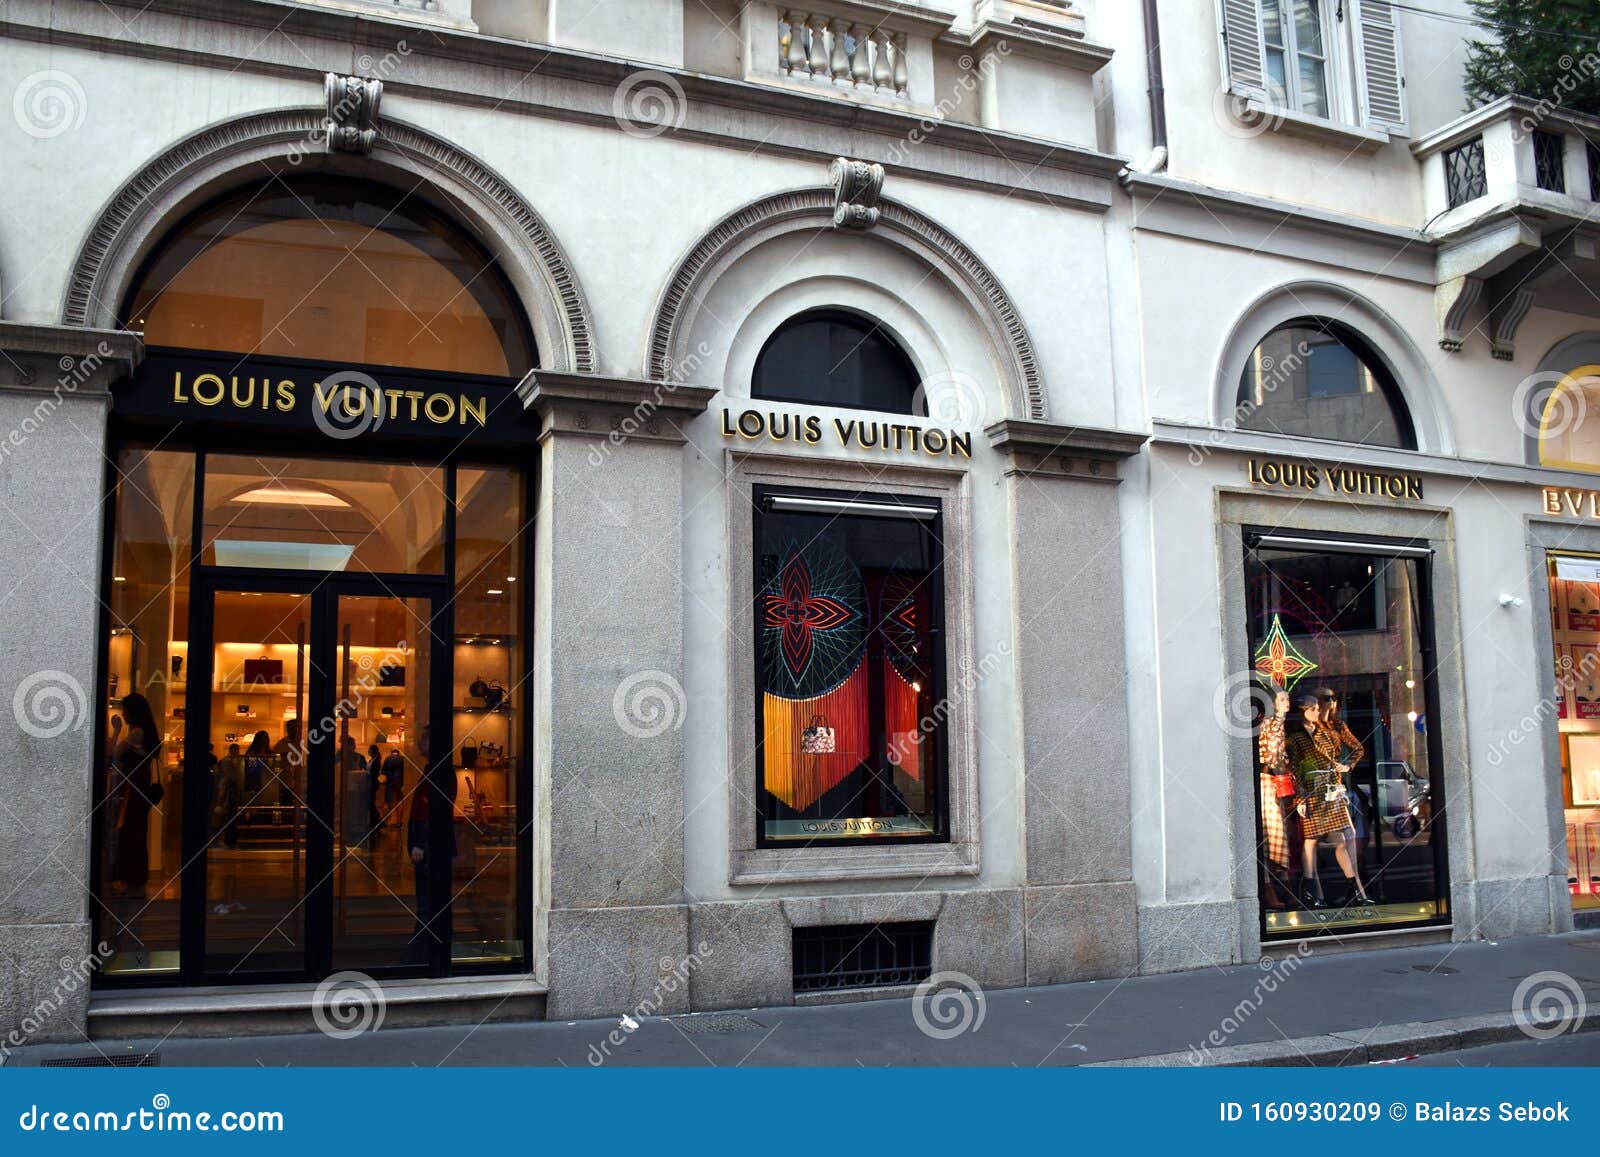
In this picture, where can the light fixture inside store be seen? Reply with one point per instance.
(291, 496)
(494, 591)
(116, 578)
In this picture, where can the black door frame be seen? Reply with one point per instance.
(322, 696)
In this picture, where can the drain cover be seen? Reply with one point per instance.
(720, 1024)
(100, 1061)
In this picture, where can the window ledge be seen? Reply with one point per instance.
(1281, 120)
(761, 866)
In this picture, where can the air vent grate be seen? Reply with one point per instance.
(102, 1061)
(845, 956)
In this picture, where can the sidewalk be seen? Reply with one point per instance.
(1347, 1009)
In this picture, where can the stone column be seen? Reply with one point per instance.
(54, 397)
(1079, 905)
(608, 642)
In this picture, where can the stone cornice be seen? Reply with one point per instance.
(618, 409)
(280, 39)
(60, 359)
(1048, 448)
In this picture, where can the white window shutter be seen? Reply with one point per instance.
(1380, 66)
(1244, 66)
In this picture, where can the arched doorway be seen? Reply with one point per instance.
(315, 736)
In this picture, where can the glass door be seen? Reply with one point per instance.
(252, 759)
(311, 843)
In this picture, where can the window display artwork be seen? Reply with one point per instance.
(1575, 613)
(1346, 796)
(847, 614)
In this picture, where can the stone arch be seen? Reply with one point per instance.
(232, 152)
(1572, 353)
(1387, 339)
(899, 225)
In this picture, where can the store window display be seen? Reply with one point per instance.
(1575, 627)
(1346, 795)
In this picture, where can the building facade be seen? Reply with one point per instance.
(696, 505)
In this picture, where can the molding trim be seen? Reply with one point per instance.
(813, 208)
(207, 162)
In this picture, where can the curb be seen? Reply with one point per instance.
(1357, 1046)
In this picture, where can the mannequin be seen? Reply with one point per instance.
(1277, 811)
(1314, 753)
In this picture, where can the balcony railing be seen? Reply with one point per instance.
(834, 51)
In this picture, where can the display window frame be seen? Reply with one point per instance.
(959, 853)
(938, 738)
(200, 439)
(1268, 536)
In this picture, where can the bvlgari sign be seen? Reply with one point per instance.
(1333, 478)
(342, 402)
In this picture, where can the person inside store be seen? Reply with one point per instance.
(374, 774)
(394, 778)
(421, 865)
(1313, 753)
(288, 757)
(358, 792)
(135, 792)
(1278, 819)
(257, 765)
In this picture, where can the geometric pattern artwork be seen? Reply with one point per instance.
(1278, 660)
(812, 610)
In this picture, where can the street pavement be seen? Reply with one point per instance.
(1440, 1001)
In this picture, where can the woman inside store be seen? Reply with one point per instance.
(1314, 751)
(133, 771)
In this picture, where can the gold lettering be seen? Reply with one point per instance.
(479, 412)
(208, 380)
(179, 398)
(961, 444)
(440, 417)
(285, 400)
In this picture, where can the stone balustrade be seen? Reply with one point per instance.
(835, 51)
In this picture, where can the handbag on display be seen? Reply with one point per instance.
(1284, 786)
(263, 670)
(469, 754)
(491, 693)
(817, 738)
(391, 676)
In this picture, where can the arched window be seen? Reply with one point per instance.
(833, 358)
(339, 271)
(1317, 379)
(1567, 437)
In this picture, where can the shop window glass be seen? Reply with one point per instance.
(141, 811)
(1568, 437)
(832, 358)
(491, 700)
(323, 514)
(1348, 802)
(1575, 628)
(338, 271)
(1315, 379)
(848, 612)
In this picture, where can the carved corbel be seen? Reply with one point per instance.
(1506, 313)
(352, 112)
(1453, 301)
(857, 185)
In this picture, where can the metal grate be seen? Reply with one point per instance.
(1549, 161)
(716, 1024)
(101, 1061)
(1463, 172)
(840, 956)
